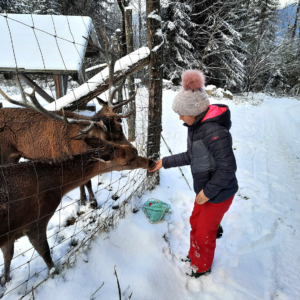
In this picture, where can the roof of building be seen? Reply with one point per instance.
(43, 43)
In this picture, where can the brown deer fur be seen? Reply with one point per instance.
(30, 134)
(30, 192)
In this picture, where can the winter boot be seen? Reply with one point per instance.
(220, 232)
(197, 275)
(187, 259)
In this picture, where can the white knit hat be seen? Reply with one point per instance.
(191, 100)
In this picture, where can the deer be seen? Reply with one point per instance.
(30, 192)
(35, 133)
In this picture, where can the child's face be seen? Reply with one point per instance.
(188, 119)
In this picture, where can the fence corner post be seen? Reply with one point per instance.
(155, 44)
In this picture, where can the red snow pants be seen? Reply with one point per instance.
(204, 221)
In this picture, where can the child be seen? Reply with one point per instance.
(213, 166)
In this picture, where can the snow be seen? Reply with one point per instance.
(258, 255)
(171, 25)
(122, 64)
(210, 87)
(159, 33)
(55, 43)
(95, 67)
(129, 7)
(154, 15)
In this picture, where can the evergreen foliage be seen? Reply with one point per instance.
(178, 51)
(44, 7)
(248, 45)
(262, 45)
(12, 6)
(218, 44)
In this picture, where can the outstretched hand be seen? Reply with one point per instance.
(201, 198)
(158, 165)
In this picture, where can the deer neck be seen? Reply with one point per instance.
(78, 172)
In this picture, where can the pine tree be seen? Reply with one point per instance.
(13, 6)
(217, 42)
(260, 37)
(178, 51)
(7, 6)
(286, 79)
(43, 7)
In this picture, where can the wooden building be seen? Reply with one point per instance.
(45, 44)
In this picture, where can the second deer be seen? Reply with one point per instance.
(30, 192)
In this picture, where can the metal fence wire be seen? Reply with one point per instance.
(73, 225)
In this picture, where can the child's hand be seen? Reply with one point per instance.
(201, 198)
(158, 165)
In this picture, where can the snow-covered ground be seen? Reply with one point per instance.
(258, 255)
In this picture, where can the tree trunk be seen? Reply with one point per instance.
(140, 23)
(120, 93)
(296, 21)
(123, 35)
(130, 79)
(155, 44)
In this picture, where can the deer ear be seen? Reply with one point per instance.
(94, 142)
(79, 137)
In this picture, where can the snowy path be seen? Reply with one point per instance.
(268, 160)
(258, 256)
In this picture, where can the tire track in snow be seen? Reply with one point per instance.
(287, 201)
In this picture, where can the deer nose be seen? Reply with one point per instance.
(151, 164)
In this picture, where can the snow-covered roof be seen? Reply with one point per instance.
(43, 43)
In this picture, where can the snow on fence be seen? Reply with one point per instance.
(73, 225)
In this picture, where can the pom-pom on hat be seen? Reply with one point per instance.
(191, 100)
(192, 79)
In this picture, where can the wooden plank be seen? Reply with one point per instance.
(32, 84)
(35, 71)
(61, 85)
(65, 83)
(82, 77)
(58, 86)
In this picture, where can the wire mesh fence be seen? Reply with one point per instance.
(39, 195)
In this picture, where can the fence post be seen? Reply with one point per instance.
(130, 79)
(155, 44)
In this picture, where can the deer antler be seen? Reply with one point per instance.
(113, 87)
(126, 116)
(35, 105)
(119, 104)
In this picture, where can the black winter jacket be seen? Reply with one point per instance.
(210, 154)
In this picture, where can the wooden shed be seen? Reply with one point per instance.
(46, 44)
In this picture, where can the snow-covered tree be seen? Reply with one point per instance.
(178, 51)
(286, 79)
(217, 43)
(42, 7)
(13, 6)
(7, 6)
(260, 37)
